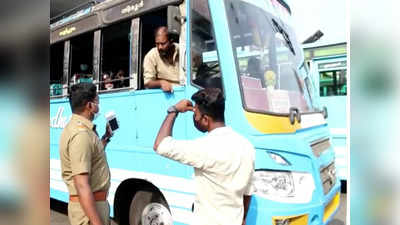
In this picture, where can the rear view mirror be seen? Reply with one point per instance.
(174, 22)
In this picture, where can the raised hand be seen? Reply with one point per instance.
(184, 105)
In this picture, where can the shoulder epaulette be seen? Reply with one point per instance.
(81, 127)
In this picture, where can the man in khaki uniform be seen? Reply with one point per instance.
(161, 63)
(83, 161)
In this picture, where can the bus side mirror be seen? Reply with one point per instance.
(313, 38)
(174, 22)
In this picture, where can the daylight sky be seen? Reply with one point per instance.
(329, 16)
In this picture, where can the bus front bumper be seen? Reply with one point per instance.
(319, 211)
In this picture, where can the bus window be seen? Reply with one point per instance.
(333, 83)
(149, 23)
(56, 68)
(115, 58)
(82, 59)
(205, 63)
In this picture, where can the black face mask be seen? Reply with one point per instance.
(198, 125)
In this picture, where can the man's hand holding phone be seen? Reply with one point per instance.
(111, 126)
(107, 135)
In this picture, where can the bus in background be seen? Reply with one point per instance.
(330, 77)
(248, 48)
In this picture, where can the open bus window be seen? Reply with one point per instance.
(149, 23)
(333, 83)
(115, 56)
(205, 64)
(56, 69)
(81, 59)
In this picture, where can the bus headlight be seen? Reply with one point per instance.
(284, 186)
(274, 183)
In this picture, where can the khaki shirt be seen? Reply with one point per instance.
(81, 151)
(155, 68)
(223, 162)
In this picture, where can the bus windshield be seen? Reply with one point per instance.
(269, 60)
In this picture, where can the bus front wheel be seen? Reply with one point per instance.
(149, 208)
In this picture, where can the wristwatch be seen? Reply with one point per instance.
(172, 109)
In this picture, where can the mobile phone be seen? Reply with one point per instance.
(111, 118)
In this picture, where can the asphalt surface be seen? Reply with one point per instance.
(58, 213)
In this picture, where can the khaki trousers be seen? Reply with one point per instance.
(77, 216)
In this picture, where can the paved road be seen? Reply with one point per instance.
(58, 213)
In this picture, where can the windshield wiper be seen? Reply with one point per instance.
(285, 36)
(288, 42)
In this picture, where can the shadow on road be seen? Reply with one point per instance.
(59, 206)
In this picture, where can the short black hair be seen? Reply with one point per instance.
(80, 94)
(211, 102)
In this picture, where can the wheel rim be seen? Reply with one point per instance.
(156, 214)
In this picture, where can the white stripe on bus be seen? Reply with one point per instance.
(181, 215)
(161, 181)
(179, 199)
(177, 191)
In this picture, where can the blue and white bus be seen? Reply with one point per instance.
(245, 47)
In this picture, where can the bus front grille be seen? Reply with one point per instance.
(319, 146)
(328, 177)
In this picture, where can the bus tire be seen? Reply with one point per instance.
(149, 207)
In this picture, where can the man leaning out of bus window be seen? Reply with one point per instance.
(223, 160)
(84, 165)
(161, 63)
